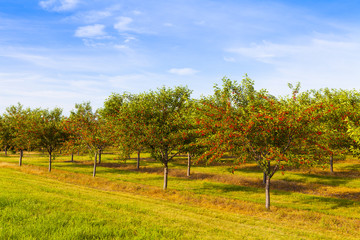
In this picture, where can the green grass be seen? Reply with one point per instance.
(35, 207)
(123, 203)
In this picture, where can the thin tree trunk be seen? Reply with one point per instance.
(78, 153)
(95, 160)
(49, 161)
(166, 172)
(72, 157)
(264, 178)
(21, 156)
(189, 165)
(166, 169)
(99, 156)
(138, 160)
(267, 193)
(332, 163)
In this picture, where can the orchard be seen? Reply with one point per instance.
(303, 129)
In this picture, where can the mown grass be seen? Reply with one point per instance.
(302, 207)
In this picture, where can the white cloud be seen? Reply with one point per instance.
(229, 59)
(122, 24)
(92, 16)
(314, 50)
(91, 43)
(183, 71)
(129, 39)
(136, 12)
(28, 57)
(267, 52)
(121, 47)
(91, 31)
(59, 5)
(316, 63)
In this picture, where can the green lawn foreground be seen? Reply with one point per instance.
(38, 207)
(34, 207)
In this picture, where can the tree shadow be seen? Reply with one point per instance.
(336, 179)
(226, 188)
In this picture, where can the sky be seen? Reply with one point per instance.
(55, 53)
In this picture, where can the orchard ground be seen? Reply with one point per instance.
(122, 202)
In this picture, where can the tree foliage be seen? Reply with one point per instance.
(256, 126)
(48, 130)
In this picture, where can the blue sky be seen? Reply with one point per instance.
(62, 52)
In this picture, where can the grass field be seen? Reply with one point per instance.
(124, 203)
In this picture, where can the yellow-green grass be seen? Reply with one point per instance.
(39, 205)
(295, 198)
(319, 182)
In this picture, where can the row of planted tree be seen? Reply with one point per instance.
(302, 129)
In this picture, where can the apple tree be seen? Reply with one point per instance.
(161, 117)
(257, 126)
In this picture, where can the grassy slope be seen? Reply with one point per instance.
(69, 204)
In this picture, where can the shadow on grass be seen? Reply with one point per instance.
(226, 188)
(333, 203)
(336, 179)
(353, 167)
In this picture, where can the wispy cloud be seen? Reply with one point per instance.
(94, 16)
(129, 39)
(35, 59)
(229, 59)
(122, 24)
(312, 50)
(316, 62)
(59, 5)
(136, 12)
(168, 24)
(182, 71)
(91, 16)
(91, 31)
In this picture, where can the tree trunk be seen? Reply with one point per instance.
(72, 157)
(49, 161)
(138, 160)
(267, 192)
(95, 160)
(189, 165)
(166, 169)
(332, 163)
(99, 156)
(264, 178)
(21, 156)
(5, 151)
(166, 172)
